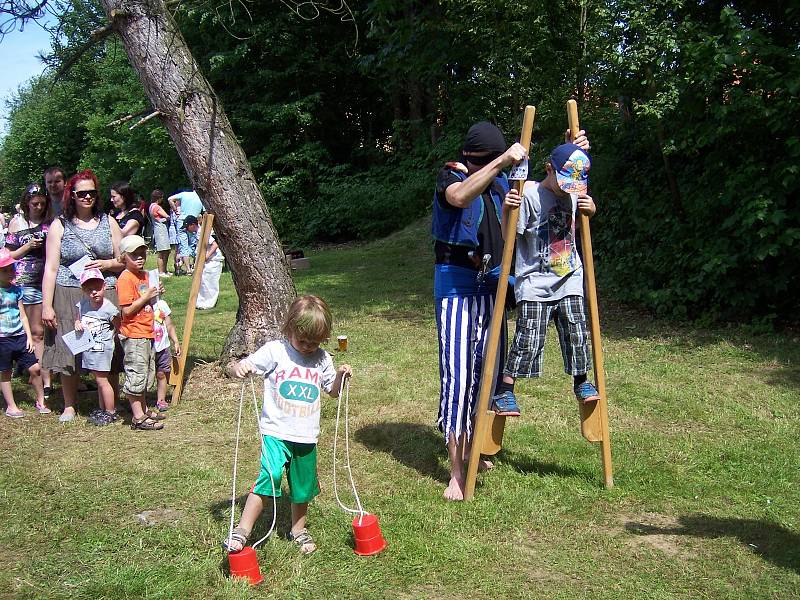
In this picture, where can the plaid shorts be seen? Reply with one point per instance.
(527, 349)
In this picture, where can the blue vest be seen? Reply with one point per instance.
(459, 226)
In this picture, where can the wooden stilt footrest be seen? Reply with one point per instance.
(591, 427)
(492, 442)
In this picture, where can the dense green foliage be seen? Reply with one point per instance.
(692, 110)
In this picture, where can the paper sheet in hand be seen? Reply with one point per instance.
(152, 278)
(78, 341)
(519, 172)
(79, 265)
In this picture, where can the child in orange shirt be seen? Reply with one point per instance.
(136, 332)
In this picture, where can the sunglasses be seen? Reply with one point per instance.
(85, 194)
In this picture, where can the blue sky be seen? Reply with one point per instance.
(18, 52)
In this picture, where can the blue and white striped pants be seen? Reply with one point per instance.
(463, 325)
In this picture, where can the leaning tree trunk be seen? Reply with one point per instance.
(216, 164)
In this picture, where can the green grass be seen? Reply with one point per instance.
(703, 424)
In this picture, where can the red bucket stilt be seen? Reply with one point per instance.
(367, 535)
(245, 564)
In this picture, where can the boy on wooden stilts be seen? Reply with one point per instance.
(549, 274)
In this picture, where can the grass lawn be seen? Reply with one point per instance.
(704, 428)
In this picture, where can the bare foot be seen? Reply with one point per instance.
(484, 464)
(455, 491)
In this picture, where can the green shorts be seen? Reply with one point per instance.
(301, 469)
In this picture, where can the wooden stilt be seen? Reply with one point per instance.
(485, 421)
(176, 377)
(594, 416)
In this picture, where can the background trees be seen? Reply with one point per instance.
(692, 109)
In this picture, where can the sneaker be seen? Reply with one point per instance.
(47, 391)
(162, 405)
(505, 404)
(586, 392)
(66, 417)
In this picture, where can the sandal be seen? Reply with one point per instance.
(238, 535)
(42, 409)
(303, 539)
(154, 414)
(146, 423)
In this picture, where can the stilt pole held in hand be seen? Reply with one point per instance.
(176, 377)
(485, 420)
(594, 416)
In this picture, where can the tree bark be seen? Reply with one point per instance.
(216, 164)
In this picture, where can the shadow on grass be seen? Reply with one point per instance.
(774, 543)
(221, 511)
(526, 464)
(417, 446)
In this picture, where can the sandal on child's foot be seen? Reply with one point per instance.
(146, 423)
(154, 414)
(42, 409)
(303, 539)
(237, 541)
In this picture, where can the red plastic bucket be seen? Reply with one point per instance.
(367, 535)
(245, 564)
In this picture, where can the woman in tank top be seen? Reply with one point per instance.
(126, 209)
(83, 230)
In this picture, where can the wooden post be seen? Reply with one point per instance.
(594, 416)
(486, 420)
(176, 377)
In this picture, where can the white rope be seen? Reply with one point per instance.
(269, 467)
(235, 465)
(360, 509)
(236, 462)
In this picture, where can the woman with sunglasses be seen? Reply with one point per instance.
(84, 230)
(126, 209)
(25, 240)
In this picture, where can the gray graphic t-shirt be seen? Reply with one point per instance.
(547, 263)
(99, 324)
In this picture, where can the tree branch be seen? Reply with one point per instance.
(144, 120)
(96, 36)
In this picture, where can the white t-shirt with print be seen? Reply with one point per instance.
(293, 383)
(161, 311)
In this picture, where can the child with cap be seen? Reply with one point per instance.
(549, 276)
(189, 234)
(99, 318)
(16, 341)
(136, 331)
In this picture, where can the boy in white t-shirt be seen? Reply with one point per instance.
(295, 369)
